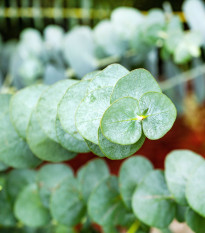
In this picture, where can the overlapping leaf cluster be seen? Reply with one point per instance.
(52, 198)
(108, 112)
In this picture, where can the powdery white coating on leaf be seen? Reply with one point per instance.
(117, 151)
(68, 106)
(95, 148)
(46, 108)
(132, 172)
(195, 190)
(90, 75)
(90, 112)
(21, 106)
(179, 165)
(14, 151)
(151, 203)
(135, 84)
(33, 213)
(161, 114)
(42, 146)
(107, 77)
(68, 141)
(119, 124)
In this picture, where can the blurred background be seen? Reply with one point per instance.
(44, 41)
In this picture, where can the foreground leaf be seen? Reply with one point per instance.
(179, 165)
(120, 124)
(116, 151)
(160, 114)
(17, 180)
(46, 108)
(90, 111)
(33, 213)
(68, 106)
(152, 202)
(107, 77)
(67, 205)
(68, 141)
(94, 148)
(90, 175)
(14, 151)
(42, 146)
(49, 177)
(21, 107)
(195, 189)
(132, 172)
(135, 84)
(105, 206)
(195, 221)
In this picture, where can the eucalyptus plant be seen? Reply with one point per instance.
(51, 199)
(108, 112)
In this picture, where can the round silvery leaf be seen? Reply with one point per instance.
(160, 114)
(195, 189)
(68, 141)
(125, 21)
(53, 35)
(67, 206)
(29, 209)
(42, 146)
(132, 172)
(30, 70)
(90, 75)
(94, 148)
(49, 177)
(21, 106)
(120, 123)
(90, 175)
(17, 180)
(116, 151)
(105, 206)
(90, 112)
(79, 50)
(46, 108)
(14, 151)
(179, 166)
(30, 42)
(68, 106)
(135, 84)
(107, 39)
(107, 77)
(195, 221)
(152, 202)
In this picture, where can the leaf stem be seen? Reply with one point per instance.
(134, 227)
